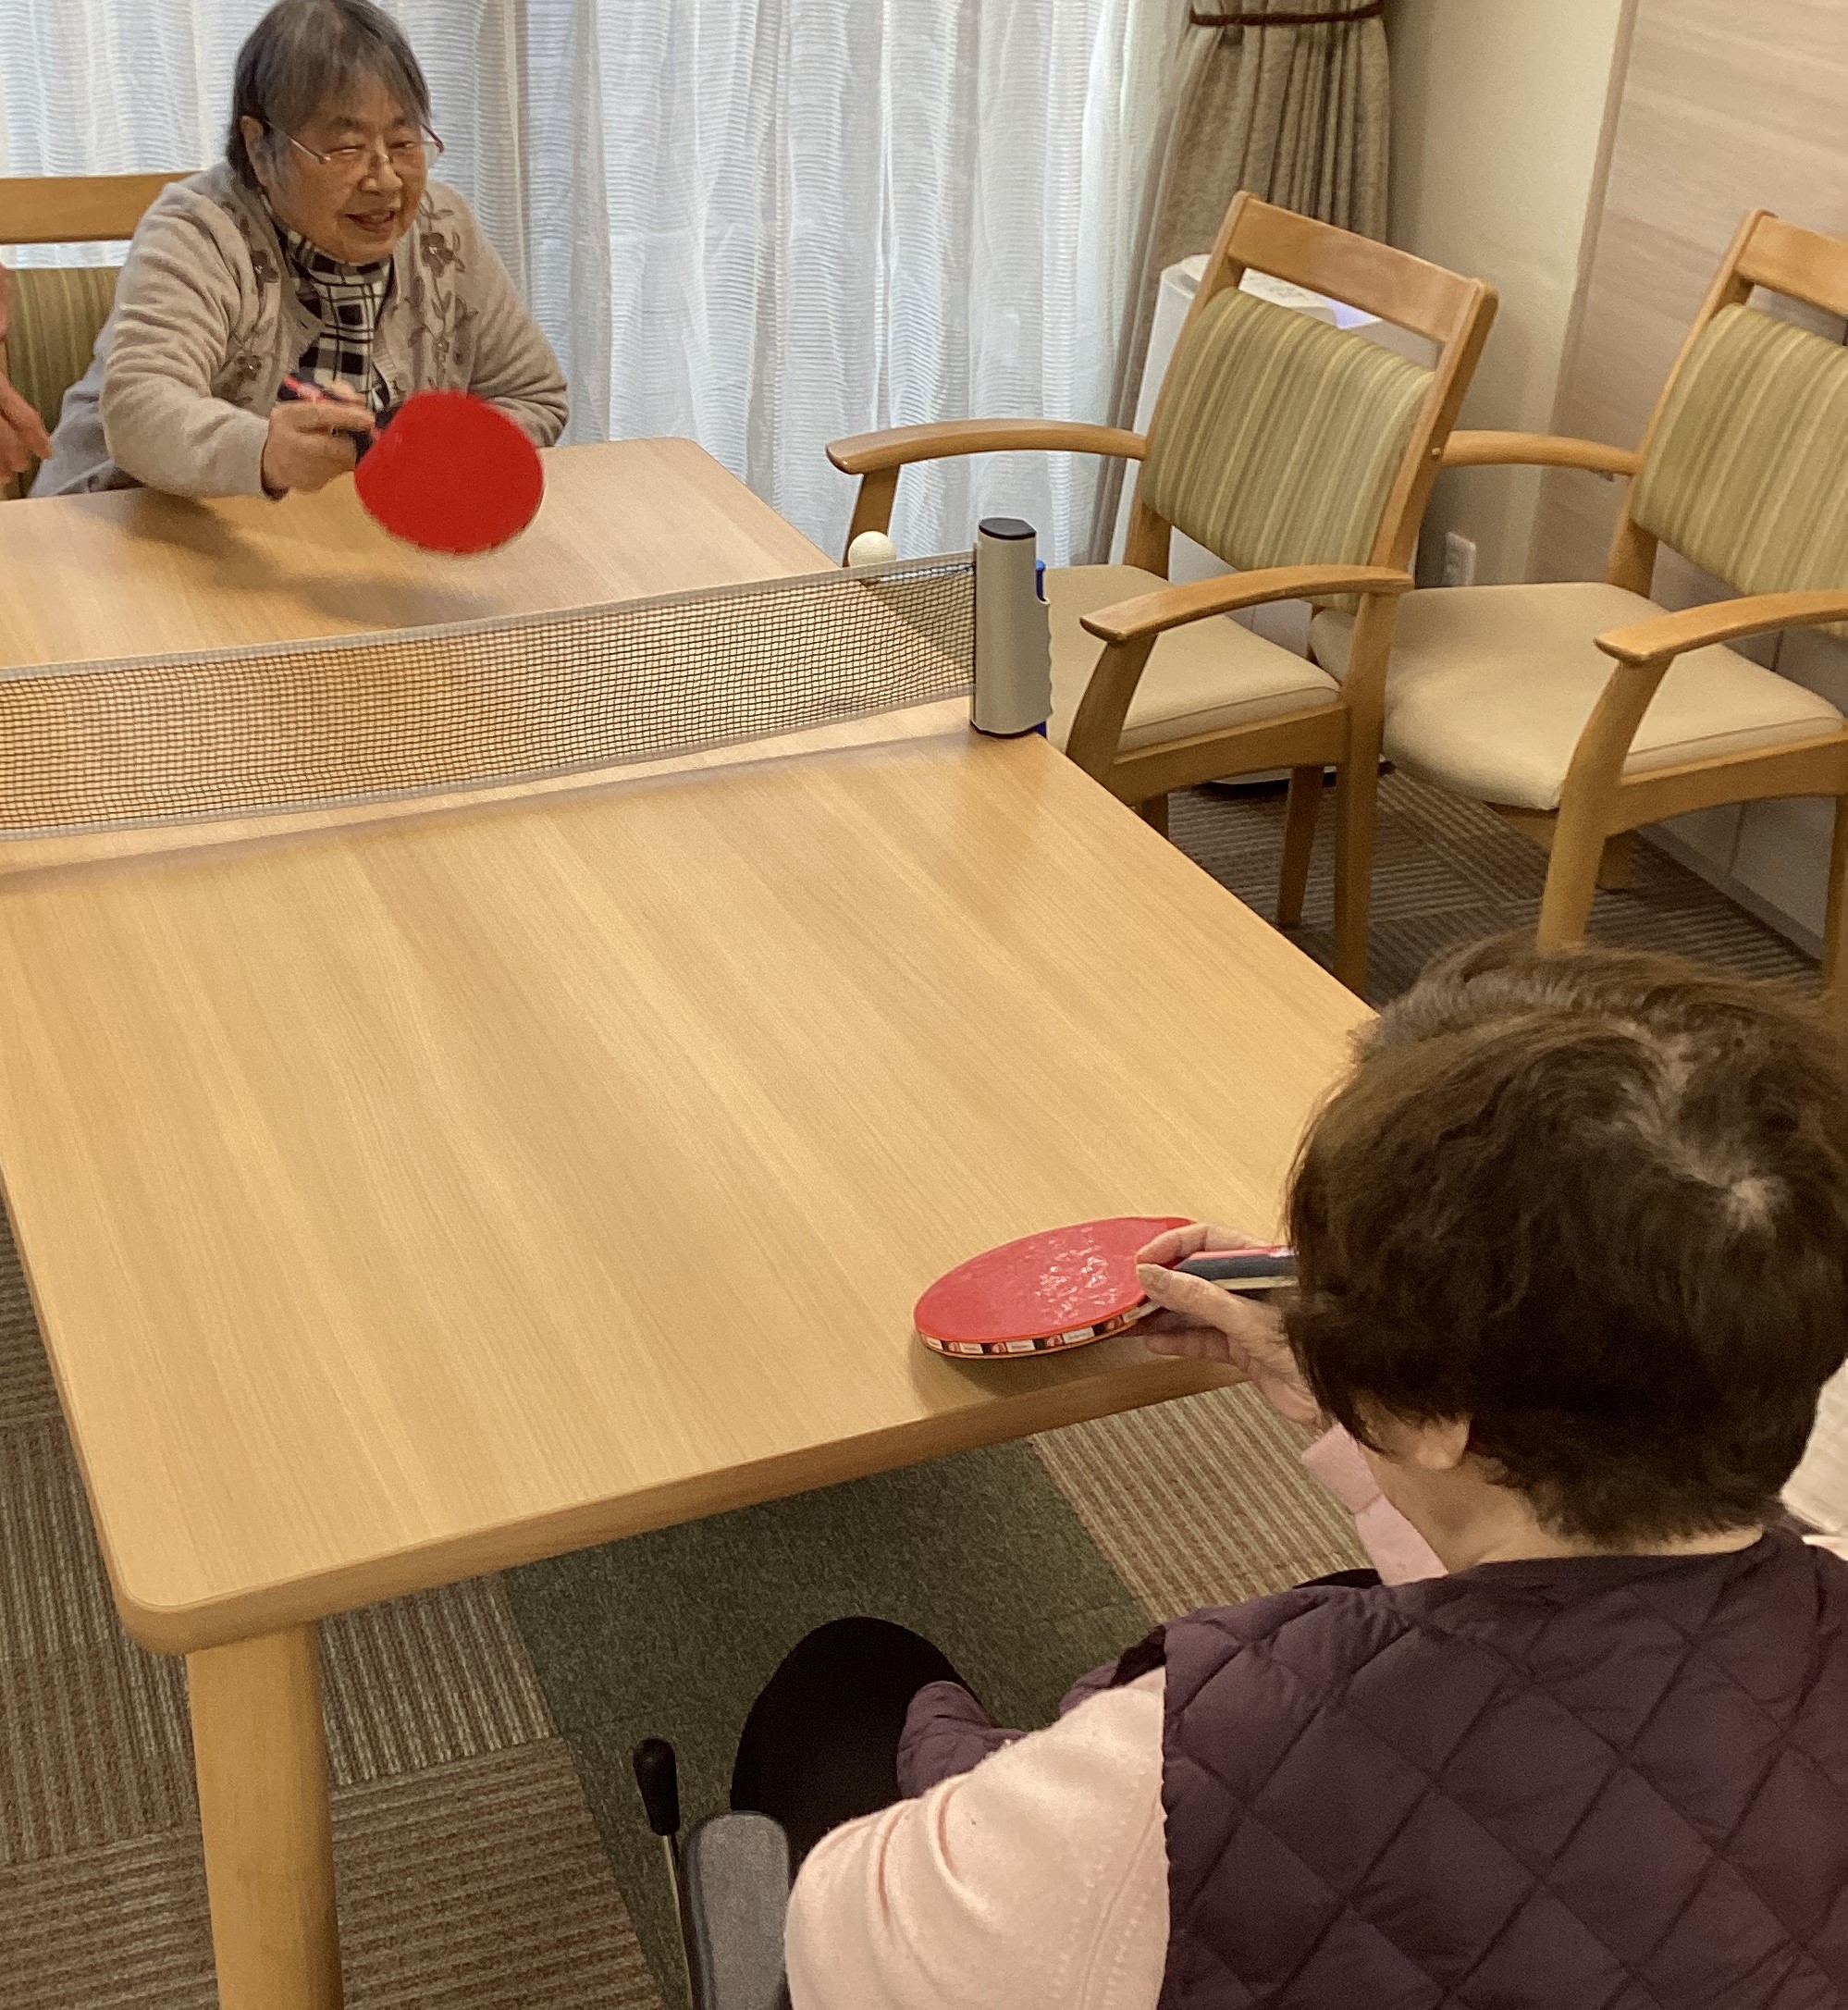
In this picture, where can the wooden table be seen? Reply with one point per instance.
(133, 572)
(409, 1199)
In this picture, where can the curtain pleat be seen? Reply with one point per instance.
(1298, 115)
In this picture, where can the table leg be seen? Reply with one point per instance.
(260, 1754)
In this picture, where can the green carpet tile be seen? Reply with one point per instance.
(673, 1633)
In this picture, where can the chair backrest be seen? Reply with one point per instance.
(1746, 462)
(59, 311)
(1278, 439)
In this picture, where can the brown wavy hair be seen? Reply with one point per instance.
(1596, 1202)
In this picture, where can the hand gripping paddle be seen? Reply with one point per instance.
(1068, 1287)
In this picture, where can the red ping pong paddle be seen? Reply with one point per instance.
(450, 473)
(1068, 1287)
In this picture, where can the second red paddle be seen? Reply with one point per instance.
(1068, 1287)
(451, 472)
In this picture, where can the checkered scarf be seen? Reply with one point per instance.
(346, 300)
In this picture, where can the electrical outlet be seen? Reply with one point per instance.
(1459, 559)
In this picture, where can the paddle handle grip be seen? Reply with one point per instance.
(311, 394)
(1242, 1270)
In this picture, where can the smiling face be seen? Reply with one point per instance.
(356, 206)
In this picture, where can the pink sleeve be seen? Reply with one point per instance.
(1401, 1554)
(1037, 1881)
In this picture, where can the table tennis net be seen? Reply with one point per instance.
(291, 726)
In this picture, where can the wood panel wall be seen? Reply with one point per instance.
(1719, 107)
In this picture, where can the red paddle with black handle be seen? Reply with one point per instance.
(1066, 1288)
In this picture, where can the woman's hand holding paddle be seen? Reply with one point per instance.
(311, 440)
(1202, 1323)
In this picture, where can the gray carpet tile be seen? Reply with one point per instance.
(415, 1683)
(426, 1681)
(28, 1395)
(1202, 1501)
(474, 1886)
(93, 1742)
(1448, 872)
(120, 1927)
(482, 1886)
(93, 1750)
(53, 1597)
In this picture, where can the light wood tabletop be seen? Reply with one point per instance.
(132, 573)
(410, 1197)
(403, 1202)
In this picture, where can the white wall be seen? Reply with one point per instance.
(1497, 108)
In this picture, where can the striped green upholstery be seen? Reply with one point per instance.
(57, 315)
(1279, 436)
(1747, 474)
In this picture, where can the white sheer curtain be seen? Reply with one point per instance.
(760, 223)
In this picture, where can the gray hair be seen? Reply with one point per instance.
(307, 54)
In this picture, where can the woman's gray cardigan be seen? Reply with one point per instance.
(206, 326)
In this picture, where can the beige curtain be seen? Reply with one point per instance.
(1296, 110)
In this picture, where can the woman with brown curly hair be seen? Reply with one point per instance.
(1573, 1253)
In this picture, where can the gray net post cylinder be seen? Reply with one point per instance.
(1013, 633)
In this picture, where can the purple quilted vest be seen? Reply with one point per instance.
(1594, 1783)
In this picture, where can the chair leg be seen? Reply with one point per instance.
(1571, 881)
(1299, 813)
(1153, 811)
(1613, 871)
(1355, 790)
(1834, 979)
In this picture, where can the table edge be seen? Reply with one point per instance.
(1132, 1384)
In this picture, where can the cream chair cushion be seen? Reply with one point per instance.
(1490, 687)
(1204, 678)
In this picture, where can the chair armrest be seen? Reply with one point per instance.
(1153, 614)
(1537, 450)
(1665, 636)
(899, 445)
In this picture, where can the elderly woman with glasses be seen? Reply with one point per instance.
(319, 253)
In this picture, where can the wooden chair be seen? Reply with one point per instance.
(1500, 693)
(59, 311)
(1298, 453)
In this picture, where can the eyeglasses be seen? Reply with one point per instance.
(407, 156)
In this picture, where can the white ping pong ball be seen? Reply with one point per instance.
(871, 548)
